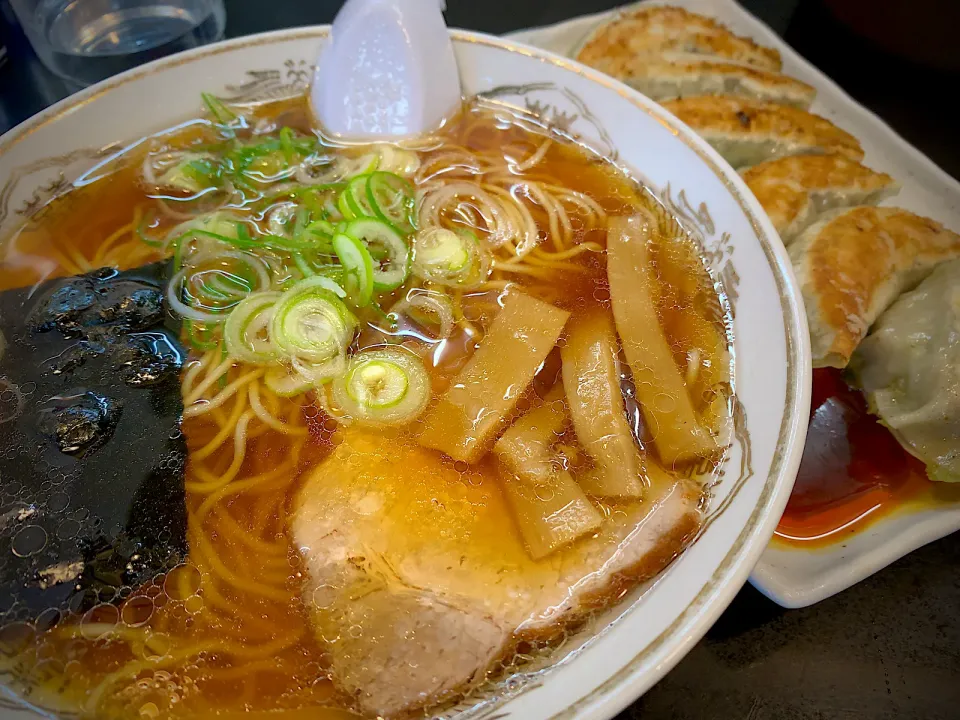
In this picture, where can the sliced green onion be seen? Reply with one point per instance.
(279, 242)
(363, 165)
(323, 372)
(397, 160)
(200, 337)
(383, 387)
(357, 268)
(441, 251)
(280, 216)
(447, 257)
(151, 220)
(392, 199)
(224, 225)
(247, 330)
(301, 218)
(191, 173)
(331, 211)
(323, 228)
(376, 385)
(344, 206)
(239, 236)
(204, 171)
(286, 143)
(333, 275)
(208, 295)
(389, 252)
(268, 168)
(428, 308)
(221, 286)
(311, 322)
(328, 283)
(318, 168)
(284, 382)
(303, 265)
(271, 159)
(312, 196)
(357, 200)
(243, 233)
(217, 108)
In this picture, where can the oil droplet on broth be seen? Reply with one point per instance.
(99, 620)
(137, 611)
(664, 403)
(182, 582)
(68, 529)
(29, 541)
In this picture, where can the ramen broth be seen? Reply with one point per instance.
(228, 631)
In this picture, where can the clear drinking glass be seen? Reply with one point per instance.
(85, 41)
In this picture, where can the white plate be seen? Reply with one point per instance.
(791, 576)
(633, 645)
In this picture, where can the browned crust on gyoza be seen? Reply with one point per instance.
(664, 80)
(657, 31)
(785, 187)
(717, 115)
(853, 264)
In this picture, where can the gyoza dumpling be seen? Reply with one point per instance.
(795, 190)
(909, 370)
(748, 132)
(852, 264)
(661, 80)
(670, 34)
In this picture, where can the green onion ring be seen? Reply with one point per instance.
(387, 386)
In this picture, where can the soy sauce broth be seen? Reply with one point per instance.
(186, 647)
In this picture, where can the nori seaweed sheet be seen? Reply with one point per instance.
(92, 456)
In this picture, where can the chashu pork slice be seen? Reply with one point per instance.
(417, 579)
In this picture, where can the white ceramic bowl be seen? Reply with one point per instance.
(634, 644)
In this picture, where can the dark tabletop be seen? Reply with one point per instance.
(888, 647)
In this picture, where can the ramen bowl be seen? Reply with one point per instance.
(623, 650)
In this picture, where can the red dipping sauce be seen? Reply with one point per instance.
(853, 470)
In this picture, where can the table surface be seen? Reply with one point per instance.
(888, 647)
